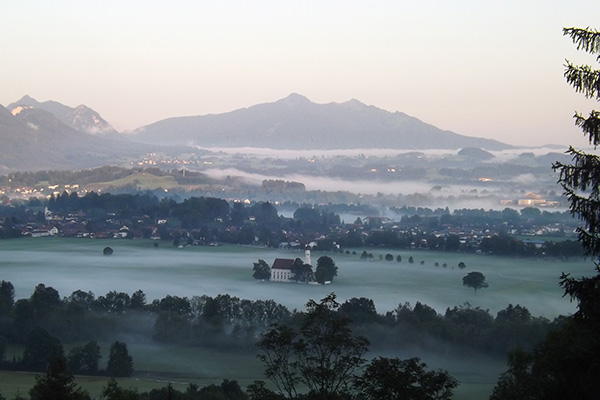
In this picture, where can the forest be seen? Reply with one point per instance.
(45, 321)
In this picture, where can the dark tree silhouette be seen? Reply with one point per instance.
(120, 363)
(475, 280)
(261, 270)
(321, 355)
(326, 269)
(395, 379)
(40, 349)
(58, 383)
(565, 365)
(302, 272)
(7, 297)
(83, 360)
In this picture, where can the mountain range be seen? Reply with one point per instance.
(80, 118)
(299, 124)
(35, 139)
(50, 135)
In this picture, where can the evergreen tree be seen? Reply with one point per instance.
(120, 363)
(566, 364)
(580, 179)
(112, 391)
(7, 297)
(57, 384)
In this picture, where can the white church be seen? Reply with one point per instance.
(281, 270)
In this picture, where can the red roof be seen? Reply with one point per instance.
(282, 263)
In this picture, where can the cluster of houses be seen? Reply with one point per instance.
(70, 226)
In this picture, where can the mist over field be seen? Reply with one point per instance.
(314, 153)
(78, 264)
(500, 155)
(329, 183)
(454, 196)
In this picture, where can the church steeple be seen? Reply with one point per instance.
(307, 255)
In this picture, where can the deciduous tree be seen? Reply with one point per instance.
(396, 379)
(84, 360)
(302, 272)
(475, 280)
(322, 354)
(40, 349)
(326, 270)
(261, 270)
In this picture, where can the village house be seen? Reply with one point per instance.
(44, 231)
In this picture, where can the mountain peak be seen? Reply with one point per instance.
(297, 123)
(27, 101)
(295, 98)
(81, 118)
(354, 104)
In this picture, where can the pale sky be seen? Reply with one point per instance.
(489, 69)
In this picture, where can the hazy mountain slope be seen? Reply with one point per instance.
(35, 139)
(296, 123)
(80, 118)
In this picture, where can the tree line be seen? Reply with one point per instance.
(227, 321)
(316, 356)
(205, 220)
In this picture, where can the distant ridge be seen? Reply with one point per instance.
(80, 118)
(35, 139)
(296, 123)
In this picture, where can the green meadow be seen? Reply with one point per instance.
(78, 264)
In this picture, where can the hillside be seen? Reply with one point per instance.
(80, 118)
(35, 139)
(297, 123)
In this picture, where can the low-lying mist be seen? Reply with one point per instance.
(78, 264)
(500, 155)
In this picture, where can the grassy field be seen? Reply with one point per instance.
(14, 383)
(142, 180)
(155, 366)
(72, 264)
(158, 366)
